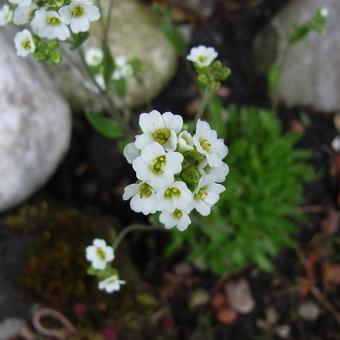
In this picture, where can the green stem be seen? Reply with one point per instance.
(133, 227)
(208, 93)
(108, 22)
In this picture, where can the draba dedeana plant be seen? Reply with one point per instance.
(179, 167)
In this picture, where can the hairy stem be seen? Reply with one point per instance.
(208, 93)
(131, 228)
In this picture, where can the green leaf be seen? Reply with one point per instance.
(274, 77)
(78, 39)
(104, 125)
(174, 35)
(121, 87)
(108, 64)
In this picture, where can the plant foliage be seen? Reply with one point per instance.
(256, 215)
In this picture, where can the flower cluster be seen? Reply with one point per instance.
(55, 20)
(122, 67)
(210, 72)
(177, 172)
(100, 255)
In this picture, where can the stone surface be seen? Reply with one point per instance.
(135, 33)
(311, 73)
(239, 296)
(35, 127)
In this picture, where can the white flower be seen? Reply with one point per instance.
(324, 12)
(177, 218)
(157, 167)
(111, 284)
(24, 43)
(207, 144)
(21, 3)
(336, 144)
(159, 128)
(185, 141)
(219, 173)
(206, 195)
(6, 15)
(143, 198)
(78, 14)
(131, 152)
(23, 15)
(176, 195)
(123, 68)
(99, 254)
(202, 56)
(48, 24)
(94, 56)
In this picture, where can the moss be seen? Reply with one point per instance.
(54, 270)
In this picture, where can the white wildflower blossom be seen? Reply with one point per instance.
(207, 144)
(143, 198)
(123, 68)
(94, 56)
(21, 3)
(49, 24)
(6, 15)
(177, 172)
(336, 144)
(185, 141)
(177, 218)
(206, 195)
(202, 56)
(324, 12)
(160, 128)
(156, 166)
(78, 14)
(24, 43)
(99, 254)
(23, 15)
(176, 195)
(131, 152)
(111, 284)
(219, 173)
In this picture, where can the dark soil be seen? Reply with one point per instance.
(94, 173)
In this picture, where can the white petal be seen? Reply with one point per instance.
(173, 122)
(171, 144)
(150, 122)
(152, 151)
(131, 152)
(81, 24)
(141, 168)
(143, 140)
(183, 223)
(92, 12)
(203, 208)
(174, 162)
(130, 190)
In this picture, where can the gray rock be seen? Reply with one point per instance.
(135, 33)
(311, 72)
(35, 127)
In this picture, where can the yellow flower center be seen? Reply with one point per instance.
(26, 44)
(172, 192)
(205, 145)
(145, 190)
(202, 58)
(199, 196)
(77, 11)
(53, 21)
(101, 253)
(161, 136)
(157, 166)
(177, 214)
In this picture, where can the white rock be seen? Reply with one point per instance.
(35, 127)
(239, 296)
(135, 33)
(309, 311)
(311, 73)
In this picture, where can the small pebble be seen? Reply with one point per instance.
(217, 300)
(309, 311)
(226, 316)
